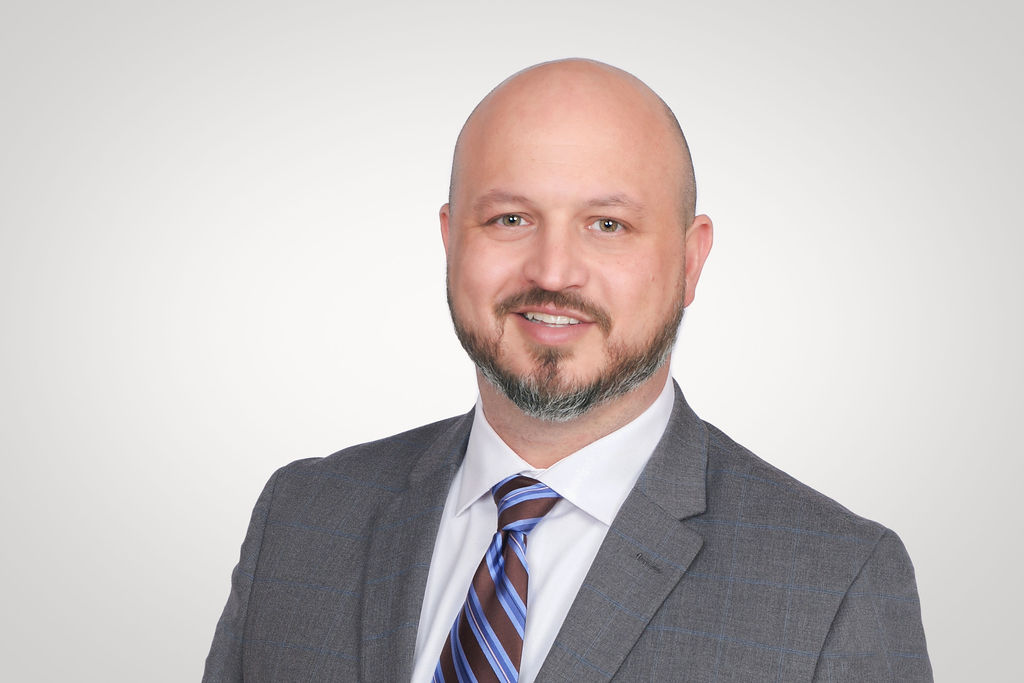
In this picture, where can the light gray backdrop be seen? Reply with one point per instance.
(220, 253)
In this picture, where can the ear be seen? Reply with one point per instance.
(697, 245)
(445, 214)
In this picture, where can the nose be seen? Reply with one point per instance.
(555, 259)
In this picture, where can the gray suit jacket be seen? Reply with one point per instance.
(717, 567)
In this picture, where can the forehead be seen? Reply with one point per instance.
(564, 136)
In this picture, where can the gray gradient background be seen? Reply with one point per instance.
(220, 253)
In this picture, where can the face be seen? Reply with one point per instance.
(567, 256)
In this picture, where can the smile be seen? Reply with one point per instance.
(550, 320)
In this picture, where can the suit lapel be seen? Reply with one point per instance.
(398, 557)
(644, 555)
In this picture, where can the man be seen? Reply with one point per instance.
(634, 542)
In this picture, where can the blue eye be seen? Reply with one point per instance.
(607, 225)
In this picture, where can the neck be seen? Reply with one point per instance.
(542, 443)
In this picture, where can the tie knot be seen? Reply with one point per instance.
(522, 502)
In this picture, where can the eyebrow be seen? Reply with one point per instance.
(617, 200)
(502, 197)
(498, 197)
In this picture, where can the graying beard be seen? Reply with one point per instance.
(572, 403)
(628, 371)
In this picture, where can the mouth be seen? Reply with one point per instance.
(549, 320)
(541, 309)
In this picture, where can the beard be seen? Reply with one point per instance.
(543, 392)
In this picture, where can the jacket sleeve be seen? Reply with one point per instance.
(877, 634)
(224, 663)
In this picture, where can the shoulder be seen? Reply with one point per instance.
(794, 549)
(336, 499)
(786, 524)
(385, 464)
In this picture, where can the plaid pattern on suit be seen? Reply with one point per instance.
(717, 567)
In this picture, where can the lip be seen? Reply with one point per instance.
(550, 335)
(554, 310)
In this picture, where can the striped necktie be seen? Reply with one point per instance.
(486, 641)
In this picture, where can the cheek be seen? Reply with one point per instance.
(668, 268)
(479, 278)
(641, 290)
(651, 269)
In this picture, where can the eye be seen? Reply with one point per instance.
(510, 220)
(607, 225)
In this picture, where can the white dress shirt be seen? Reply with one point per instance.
(593, 482)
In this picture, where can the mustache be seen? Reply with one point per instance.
(562, 299)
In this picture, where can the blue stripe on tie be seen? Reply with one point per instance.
(514, 607)
(518, 541)
(538, 490)
(492, 648)
(495, 559)
(523, 494)
(536, 487)
(503, 589)
(535, 492)
(503, 508)
(524, 525)
(462, 670)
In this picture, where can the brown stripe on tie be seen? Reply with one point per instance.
(447, 665)
(528, 509)
(475, 655)
(497, 617)
(511, 485)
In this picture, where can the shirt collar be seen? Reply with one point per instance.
(597, 478)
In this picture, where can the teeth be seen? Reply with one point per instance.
(550, 319)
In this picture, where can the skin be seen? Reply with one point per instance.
(571, 177)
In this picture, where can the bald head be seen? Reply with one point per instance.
(574, 96)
